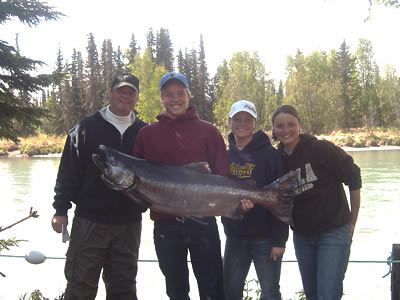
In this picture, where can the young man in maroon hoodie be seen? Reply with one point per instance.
(181, 137)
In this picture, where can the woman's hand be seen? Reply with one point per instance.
(246, 205)
(277, 253)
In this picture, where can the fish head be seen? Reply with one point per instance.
(114, 167)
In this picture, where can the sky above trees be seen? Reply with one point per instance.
(275, 29)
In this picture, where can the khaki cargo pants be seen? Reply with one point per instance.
(93, 248)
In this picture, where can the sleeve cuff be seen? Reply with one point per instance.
(61, 212)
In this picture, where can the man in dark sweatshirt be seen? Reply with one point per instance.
(106, 228)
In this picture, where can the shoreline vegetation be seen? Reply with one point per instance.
(356, 139)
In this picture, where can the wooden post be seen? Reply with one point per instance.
(395, 272)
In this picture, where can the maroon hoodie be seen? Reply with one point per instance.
(183, 140)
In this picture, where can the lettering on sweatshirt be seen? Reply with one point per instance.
(241, 171)
(305, 183)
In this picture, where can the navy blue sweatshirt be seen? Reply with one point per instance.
(79, 181)
(258, 161)
(321, 203)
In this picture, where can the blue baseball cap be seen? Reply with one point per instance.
(173, 76)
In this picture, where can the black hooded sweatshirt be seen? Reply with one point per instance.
(258, 161)
(79, 181)
(321, 204)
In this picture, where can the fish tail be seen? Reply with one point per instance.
(283, 192)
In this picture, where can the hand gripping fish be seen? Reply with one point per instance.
(190, 190)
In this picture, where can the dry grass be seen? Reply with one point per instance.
(41, 144)
(364, 137)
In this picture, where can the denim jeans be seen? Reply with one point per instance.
(323, 262)
(237, 260)
(173, 240)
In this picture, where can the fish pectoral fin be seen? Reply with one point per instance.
(236, 213)
(201, 167)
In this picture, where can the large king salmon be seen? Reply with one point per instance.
(190, 190)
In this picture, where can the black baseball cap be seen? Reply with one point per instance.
(125, 80)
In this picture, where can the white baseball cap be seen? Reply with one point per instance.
(243, 105)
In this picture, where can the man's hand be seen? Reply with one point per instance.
(277, 253)
(246, 205)
(57, 223)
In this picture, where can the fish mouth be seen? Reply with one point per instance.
(98, 161)
(113, 175)
(109, 183)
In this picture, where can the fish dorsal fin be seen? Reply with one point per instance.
(201, 167)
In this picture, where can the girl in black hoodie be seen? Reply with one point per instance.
(323, 222)
(259, 236)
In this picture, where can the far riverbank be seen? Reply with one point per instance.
(357, 139)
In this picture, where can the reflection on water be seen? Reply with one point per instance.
(26, 182)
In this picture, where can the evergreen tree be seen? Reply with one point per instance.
(194, 67)
(58, 74)
(81, 85)
(151, 43)
(192, 73)
(187, 70)
(181, 61)
(119, 66)
(133, 50)
(67, 120)
(107, 69)
(205, 101)
(52, 124)
(72, 108)
(43, 99)
(280, 94)
(347, 77)
(164, 55)
(93, 100)
(15, 79)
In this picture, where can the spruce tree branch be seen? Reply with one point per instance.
(32, 214)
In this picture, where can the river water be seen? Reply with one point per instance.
(29, 182)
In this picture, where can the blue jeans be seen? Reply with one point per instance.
(237, 260)
(173, 240)
(322, 260)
